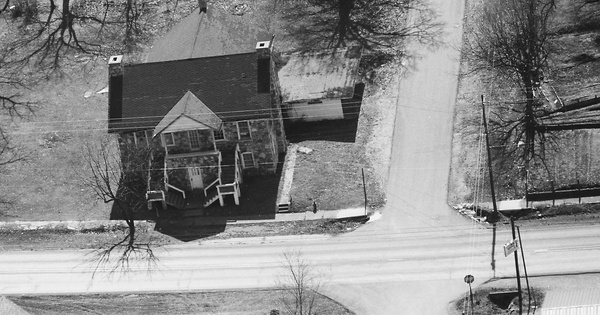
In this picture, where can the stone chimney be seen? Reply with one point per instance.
(115, 90)
(202, 5)
(263, 56)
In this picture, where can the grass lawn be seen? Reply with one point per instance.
(246, 302)
(570, 155)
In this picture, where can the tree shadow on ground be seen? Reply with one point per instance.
(340, 130)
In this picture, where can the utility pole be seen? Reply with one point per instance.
(495, 215)
(525, 271)
(489, 159)
(364, 188)
(512, 226)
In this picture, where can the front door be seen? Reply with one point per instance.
(196, 177)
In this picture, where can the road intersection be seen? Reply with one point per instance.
(411, 261)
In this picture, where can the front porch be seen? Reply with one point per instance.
(257, 202)
(193, 181)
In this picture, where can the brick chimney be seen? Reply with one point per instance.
(263, 56)
(115, 89)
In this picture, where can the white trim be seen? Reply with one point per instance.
(189, 134)
(244, 161)
(149, 137)
(163, 137)
(136, 140)
(237, 124)
(222, 132)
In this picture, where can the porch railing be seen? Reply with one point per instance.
(169, 186)
(238, 175)
(149, 175)
(229, 189)
(212, 185)
(216, 181)
(165, 175)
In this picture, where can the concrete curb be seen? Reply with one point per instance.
(111, 225)
(266, 239)
(100, 225)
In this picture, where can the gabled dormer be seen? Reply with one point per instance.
(190, 126)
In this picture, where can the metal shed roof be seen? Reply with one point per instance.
(319, 74)
(572, 302)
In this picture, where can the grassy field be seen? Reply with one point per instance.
(248, 302)
(570, 155)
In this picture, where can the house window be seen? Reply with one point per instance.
(140, 138)
(219, 134)
(248, 160)
(243, 129)
(194, 137)
(168, 139)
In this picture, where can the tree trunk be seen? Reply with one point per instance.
(131, 225)
(345, 9)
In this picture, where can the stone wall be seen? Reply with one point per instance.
(128, 139)
(260, 145)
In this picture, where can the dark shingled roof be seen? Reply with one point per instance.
(214, 33)
(226, 84)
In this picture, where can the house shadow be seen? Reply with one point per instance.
(257, 202)
(339, 130)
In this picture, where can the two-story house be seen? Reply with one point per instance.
(217, 119)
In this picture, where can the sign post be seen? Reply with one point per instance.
(469, 279)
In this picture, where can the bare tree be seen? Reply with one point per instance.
(300, 285)
(119, 175)
(56, 29)
(511, 37)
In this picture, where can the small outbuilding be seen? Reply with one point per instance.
(572, 302)
(319, 85)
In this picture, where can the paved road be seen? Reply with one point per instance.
(425, 261)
